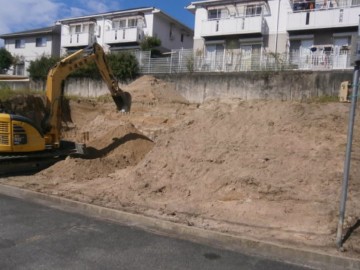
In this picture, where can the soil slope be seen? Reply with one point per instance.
(270, 170)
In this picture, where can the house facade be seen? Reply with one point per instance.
(304, 33)
(124, 30)
(27, 46)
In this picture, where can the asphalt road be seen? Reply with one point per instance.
(38, 237)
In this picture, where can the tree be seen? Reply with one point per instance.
(6, 60)
(124, 65)
(150, 44)
(39, 68)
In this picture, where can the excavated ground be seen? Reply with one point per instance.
(269, 170)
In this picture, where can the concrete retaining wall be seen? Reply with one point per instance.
(86, 87)
(197, 87)
(15, 85)
(259, 85)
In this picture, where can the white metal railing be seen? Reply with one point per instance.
(187, 61)
(323, 60)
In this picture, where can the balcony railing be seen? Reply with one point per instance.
(234, 26)
(75, 40)
(123, 35)
(323, 18)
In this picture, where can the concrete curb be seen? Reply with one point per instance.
(222, 240)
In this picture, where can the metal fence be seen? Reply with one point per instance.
(182, 61)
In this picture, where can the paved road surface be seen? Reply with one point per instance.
(37, 237)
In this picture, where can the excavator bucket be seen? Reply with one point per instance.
(122, 101)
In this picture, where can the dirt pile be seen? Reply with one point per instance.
(267, 169)
(33, 107)
(30, 106)
(118, 148)
(148, 89)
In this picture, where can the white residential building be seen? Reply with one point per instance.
(29, 45)
(124, 29)
(311, 33)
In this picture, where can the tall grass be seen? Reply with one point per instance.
(6, 92)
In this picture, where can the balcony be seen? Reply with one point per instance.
(234, 26)
(326, 18)
(76, 40)
(124, 35)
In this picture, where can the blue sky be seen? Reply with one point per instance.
(21, 15)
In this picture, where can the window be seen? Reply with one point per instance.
(171, 34)
(250, 56)
(217, 14)
(342, 44)
(77, 28)
(182, 38)
(41, 42)
(19, 69)
(122, 23)
(20, 43)
(119, 24)
(253, 10)
(214, 56)
(115, 25)
(132, 22)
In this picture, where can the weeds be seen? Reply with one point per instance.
(6, 92)
(323, 99)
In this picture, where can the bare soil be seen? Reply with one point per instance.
(270, 170)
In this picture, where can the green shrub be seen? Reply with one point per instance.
(151, 44)
(6, 60)
(38, 69)
(88, 71)
(124, 65)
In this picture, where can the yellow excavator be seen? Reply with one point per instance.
(21, 139)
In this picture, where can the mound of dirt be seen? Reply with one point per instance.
(33, 107)
(244, 163)
(148, 89)
(271, 170)
(118, 148)
(30, 106)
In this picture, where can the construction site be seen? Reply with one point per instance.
(264, 169)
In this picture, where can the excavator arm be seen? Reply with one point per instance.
(55, 88)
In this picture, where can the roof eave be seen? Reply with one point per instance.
(106, 14)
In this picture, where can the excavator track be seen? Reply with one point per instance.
(27, 163)
(12, 166)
